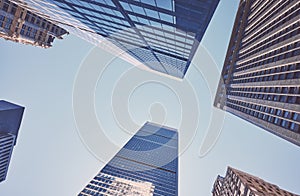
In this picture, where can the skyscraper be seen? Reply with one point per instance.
(147, 165)
(10, 120)
(163, 35)
(260, 80)
(6, 147)
(21, 25)
(240, 183)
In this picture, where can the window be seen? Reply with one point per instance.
(279, 112)
(8, 23)
(23, 30)
(283, 123)
(296, 117)
(294, 127)
(276, 121)
(286, 114)
(1, 20)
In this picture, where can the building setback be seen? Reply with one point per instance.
(260, 80)
(147, 165)
(163, 35)
(240, 183)
(10, 120)
(21, 25)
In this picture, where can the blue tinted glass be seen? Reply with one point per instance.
(62, 5)
(137, 162)
(167, 22)
(109, 2)
(151, 13)
(150, 2)
(125, 6)
(138, 9)
(143, 20)
(295, 116)
(166, 4)
(166, 17)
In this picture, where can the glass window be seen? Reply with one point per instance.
(143, 20)
(283, 123)
(166, 17)
(286, 114)
(1, 20)
(166, 4)
(294, 127)
(296, 117)
(134, 18)
(152, 13)
(126, 6)
(149, 2)
(62, 5)
(156, 24)
(108, 11)
(137, 9)
(8, 23)
(109, 2)
(279, 112)
(23, 30)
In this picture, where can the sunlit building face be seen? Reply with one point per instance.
(260, 80)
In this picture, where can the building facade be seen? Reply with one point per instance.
(21, 25)
(260, 80)
(10, 121)
(146, 165)
(238, 183)
(6, 147)
(163, 35)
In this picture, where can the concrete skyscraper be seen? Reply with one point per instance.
(10, 121)
(163, 35)
(260, 80)
(240, 183)
(147, 165)
(21, 25)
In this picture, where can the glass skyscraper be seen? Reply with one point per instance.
(6, 147)
(147, 165)
(161, 34)
(260, 80)
(10, 120)
(240, 183)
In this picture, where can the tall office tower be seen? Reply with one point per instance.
(240, 183)
(163, 35)
(6, 146)
(10, 120)
(20, 25)
(260, 80)
(147, 165)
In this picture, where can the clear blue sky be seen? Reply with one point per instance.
(51, 159)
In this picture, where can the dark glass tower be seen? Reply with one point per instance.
(240, 183)
(260, 80)
(162, 34)
(147, 165)
(6, 147)
(10, 120)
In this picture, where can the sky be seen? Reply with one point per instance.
(59, 151)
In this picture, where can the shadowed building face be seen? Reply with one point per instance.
(10, 121)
